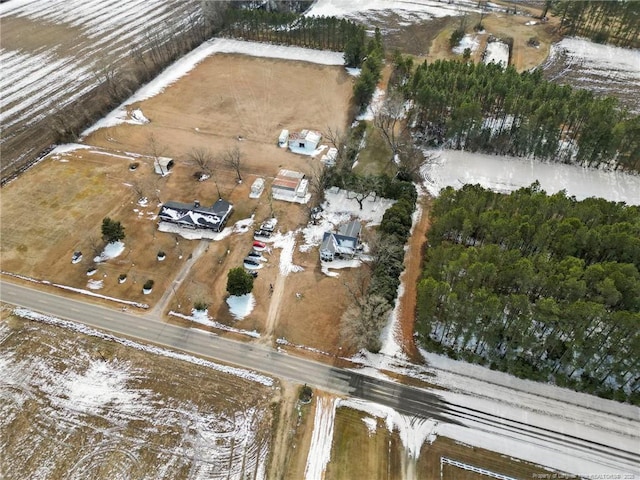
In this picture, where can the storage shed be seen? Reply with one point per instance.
(256, 188)
(290, 186)
(283, 139)
(304, 142)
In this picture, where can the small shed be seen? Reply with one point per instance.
(304, 142)
(329, 159)
(257, 188)
(283, 139)
(290, 186)
(162, 165)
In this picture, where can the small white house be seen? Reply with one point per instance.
(304, 142)
(256, 188)
(162, 165)
(283, 139)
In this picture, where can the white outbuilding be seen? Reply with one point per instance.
(283, 139)
(290, 186)
(256, 188)
(304, 142)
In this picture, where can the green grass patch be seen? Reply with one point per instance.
(375, 157)
(377, 453)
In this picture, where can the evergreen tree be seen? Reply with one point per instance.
(239, 282)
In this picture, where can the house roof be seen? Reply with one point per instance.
(287, 180)
(336, 243)
(351, 229)
(312, 136)
(194, 215)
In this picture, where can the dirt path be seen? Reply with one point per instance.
(412, 264)
(286, 429)
(274, 308)
(159, 307)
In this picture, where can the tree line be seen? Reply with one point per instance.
(541, 286)
(615, 22)
(290, 28)
(488, 108)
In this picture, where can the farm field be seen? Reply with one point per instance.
(602, 69)
(80, 406)
(53, 53)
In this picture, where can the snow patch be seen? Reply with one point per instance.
(241, 306)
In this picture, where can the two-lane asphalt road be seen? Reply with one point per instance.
(203, 344)
(253, 356)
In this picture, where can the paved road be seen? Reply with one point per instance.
(254, 356)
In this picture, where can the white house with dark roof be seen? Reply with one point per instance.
(343, 244)
(195, 216)
(304, 142)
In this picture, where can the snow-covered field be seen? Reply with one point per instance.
(504, 174)
(75, 406)
(498, 53)
(603, 69)
(410, 10)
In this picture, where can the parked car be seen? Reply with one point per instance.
(259, 246)
(254, 254)
(268, 225)
(261, 233)
(251, 261)
(253, 273)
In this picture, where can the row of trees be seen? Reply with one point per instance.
(370, 57)
(525, 305)
(290, 28)
(616, 22)
(488, 108)
(376, 291)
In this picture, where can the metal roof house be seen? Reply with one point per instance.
(343, 244)
(193, 215)
(304, 141)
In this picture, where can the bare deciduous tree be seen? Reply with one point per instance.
(156, 149)
(361, 324)
(139, 188)
(361, 188)
(202, 158)
(389, 121)
(232, 158)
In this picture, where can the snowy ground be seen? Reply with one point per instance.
(504, 174)
(603, 69)
(76, 406)
(410, 10)
(468, 41)
(498, 53)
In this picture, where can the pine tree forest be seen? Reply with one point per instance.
(487, 108)
(614, 22)
(543, 287)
